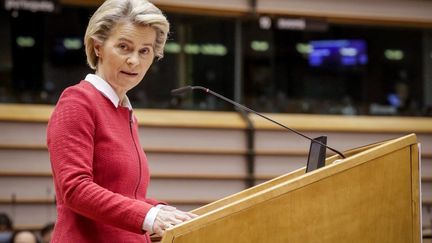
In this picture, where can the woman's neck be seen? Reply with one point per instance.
(120, 92)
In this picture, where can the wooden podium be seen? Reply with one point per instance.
(373, 195)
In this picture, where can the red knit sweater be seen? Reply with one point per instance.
(100, 171)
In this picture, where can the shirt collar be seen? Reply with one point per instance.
(107, 90)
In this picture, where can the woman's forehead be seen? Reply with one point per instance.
(138, 34)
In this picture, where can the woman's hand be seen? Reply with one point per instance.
(168, 217)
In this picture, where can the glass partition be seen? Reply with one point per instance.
(287, 65)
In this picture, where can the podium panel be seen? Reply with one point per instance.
(371, 196)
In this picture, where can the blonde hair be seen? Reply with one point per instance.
(112, 12)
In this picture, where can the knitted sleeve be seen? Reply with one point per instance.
(70, 137)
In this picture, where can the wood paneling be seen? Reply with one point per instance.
(193, 165)
(189, 138)
(24, 215)
(230, 120)
(355, 124)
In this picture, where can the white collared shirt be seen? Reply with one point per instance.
(105, 88)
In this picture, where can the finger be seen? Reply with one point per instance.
(158, 227)
(161, 228)
(164, 215)
(169, 208)
(192, 215)
(182, 216)
(167, 226)
(158, 231)
(188, 214)
(174, 221)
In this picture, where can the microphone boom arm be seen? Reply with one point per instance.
(188, 88)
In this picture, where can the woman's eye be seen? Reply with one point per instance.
(145, 51)
(123, 47)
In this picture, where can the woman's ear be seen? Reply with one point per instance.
(97, 47)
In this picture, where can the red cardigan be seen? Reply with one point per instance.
(100, 171)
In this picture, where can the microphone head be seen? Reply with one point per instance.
(181, 90)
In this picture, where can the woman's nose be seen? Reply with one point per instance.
(133, 59)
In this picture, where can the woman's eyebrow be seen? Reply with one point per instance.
(124, 39)
(148, 44)
(131, 42)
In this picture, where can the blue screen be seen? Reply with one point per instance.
(338, 53)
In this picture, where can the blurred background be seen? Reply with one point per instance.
(357, 71)
(322, 57)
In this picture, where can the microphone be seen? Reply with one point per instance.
(185, 89)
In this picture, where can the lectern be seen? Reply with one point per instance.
(370, 196)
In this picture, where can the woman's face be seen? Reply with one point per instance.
(125, 56)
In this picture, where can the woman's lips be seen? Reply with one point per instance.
(129, 73)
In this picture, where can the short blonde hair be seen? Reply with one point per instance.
(112, 12)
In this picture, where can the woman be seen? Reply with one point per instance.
(100, 171)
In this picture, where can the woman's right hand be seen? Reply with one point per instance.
(168, 217)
